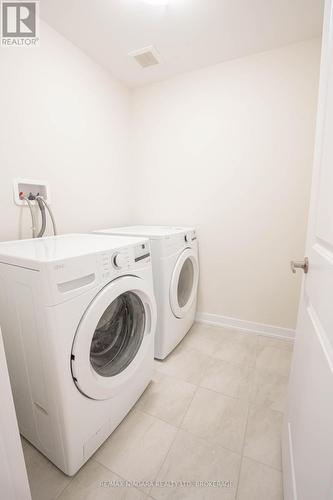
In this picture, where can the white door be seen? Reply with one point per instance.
(13, 475)
(308, 428)
(113, 338)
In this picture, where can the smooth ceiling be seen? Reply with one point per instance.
(189, 34)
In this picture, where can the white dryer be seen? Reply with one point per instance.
(176, 274)
(78, 317)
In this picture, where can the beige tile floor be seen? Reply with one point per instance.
(213, 412)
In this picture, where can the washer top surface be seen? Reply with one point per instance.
(152, 232)
(31, 252)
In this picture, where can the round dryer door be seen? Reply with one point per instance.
(113, 337)
(184, 283)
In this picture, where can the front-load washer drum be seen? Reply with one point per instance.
(113, 337)
(118, 335)
(184, 283)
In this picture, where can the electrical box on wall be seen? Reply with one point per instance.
(30, 188)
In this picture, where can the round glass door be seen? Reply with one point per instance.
(114, 338)
(185, 283)
(118, 335)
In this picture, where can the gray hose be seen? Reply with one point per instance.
(33, 218)
(42, 210)
(50, 213)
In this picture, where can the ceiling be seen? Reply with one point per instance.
(188, 34)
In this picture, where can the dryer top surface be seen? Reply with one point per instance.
(152, 232)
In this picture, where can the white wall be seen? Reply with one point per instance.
(63, 119)
(229, 149)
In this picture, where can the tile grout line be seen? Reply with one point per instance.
(254, 406)
(207, 440)
(262, 463)
(178, 429)
(66, 486)
(247, 421)
(211, 443)
(157, 418)
(163, 461)
(116, 474)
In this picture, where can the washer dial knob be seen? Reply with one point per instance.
(188, 238)
(119, 260)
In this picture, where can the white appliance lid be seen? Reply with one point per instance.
(54, 248)
(152, 232)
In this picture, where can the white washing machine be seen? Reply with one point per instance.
(78, 316)
(176, 273)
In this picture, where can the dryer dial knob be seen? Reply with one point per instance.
(188, 238)
(119, 260)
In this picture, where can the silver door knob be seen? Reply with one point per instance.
(300, 265)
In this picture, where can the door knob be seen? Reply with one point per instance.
(300, 265)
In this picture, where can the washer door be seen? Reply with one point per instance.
(184, 283)
(113, 337)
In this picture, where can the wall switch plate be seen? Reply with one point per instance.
(28, 186)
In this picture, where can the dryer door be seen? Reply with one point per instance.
(184, 283)
(113, 337)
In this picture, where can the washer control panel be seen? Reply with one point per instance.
(110, 262)
(142, 252)
(120, 260)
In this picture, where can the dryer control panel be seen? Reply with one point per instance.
(190, 236)
(124, 260)
(179, 241)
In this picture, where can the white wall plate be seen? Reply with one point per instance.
(28, 186)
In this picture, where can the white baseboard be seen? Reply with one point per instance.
(246, 326)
